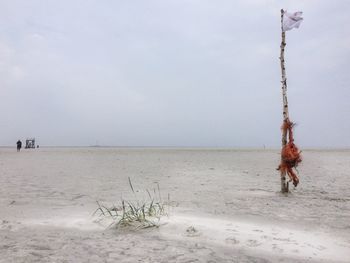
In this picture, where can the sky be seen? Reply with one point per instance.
(192, 73)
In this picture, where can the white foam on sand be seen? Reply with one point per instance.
(258, 238)
(76, 222)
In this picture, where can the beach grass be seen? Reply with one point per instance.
(137, 213)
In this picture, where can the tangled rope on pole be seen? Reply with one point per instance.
(290, 153)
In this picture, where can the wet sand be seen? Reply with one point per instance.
(229, 197)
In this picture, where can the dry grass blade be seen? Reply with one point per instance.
(132, 188)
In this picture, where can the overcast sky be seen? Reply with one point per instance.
(172, 72)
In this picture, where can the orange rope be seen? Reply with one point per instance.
(290, 154)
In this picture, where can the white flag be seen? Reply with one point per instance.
(291, 20)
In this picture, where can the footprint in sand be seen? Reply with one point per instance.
(232, 240)
(276, 248)
(192, 232)
(253, 243)
(321, 248)
(40, 247)
(5, 225)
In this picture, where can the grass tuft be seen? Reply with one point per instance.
(138, 214)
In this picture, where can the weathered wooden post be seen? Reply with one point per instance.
(284, 182)
(290, 154)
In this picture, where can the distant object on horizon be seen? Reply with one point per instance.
(30, 143)
(95, 145)
(19, 145)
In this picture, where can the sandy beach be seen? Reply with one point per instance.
(230, 198)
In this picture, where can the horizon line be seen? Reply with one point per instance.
(183, 147)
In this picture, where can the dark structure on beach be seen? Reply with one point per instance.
(30, 143)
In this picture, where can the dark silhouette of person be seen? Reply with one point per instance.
(19, 145)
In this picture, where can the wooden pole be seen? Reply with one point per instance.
(284, 182)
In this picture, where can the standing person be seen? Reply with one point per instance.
(19, 145)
